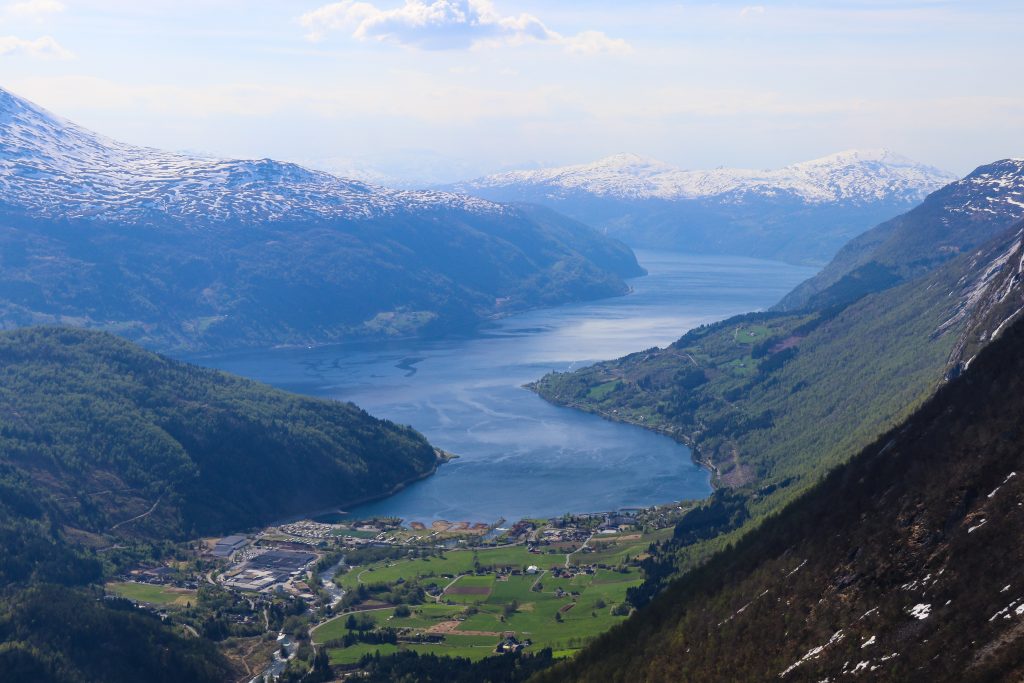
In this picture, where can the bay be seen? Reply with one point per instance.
(518, 455)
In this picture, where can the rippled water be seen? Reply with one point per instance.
(520, 456)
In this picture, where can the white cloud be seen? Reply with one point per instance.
(752, 11)
(447, 25)
(35, 8)
(42, 47)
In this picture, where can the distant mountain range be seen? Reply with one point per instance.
(188, 252)
(800, 213)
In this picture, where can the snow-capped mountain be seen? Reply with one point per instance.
(853, 175)
(801, 213)
(182, 251)
(52, 168)
(995, 189)
(954, 220)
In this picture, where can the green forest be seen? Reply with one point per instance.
(108, 432)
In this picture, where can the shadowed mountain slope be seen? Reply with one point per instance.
(903, 564)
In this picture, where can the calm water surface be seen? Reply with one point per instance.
(520, 456)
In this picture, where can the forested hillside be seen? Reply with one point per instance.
(54, 625)
(903, 564)
(771, 401)
(105, 447)
(55, 634)
(117, 439)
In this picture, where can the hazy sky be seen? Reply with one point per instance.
(446, 88)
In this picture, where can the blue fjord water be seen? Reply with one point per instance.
(520, 456)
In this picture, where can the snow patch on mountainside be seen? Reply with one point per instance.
(52, 168)
(997, 189)
(853, 175)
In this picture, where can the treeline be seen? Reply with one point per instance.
(412, 667)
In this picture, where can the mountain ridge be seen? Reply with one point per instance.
(52, 168)
(816, 180)
(192, 254)
(902, 564)
(770, 401)
(952, 220)
(802, 213)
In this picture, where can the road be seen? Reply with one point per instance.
(568, 555)
(147, 513)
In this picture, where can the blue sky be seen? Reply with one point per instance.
(442, 89)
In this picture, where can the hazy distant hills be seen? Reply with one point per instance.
(800, 213)
(184, 252)
(951, 221)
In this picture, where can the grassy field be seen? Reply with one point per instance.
(422, 618)
(535, 616)
(601, 391)
(545, 611)
(154, 595)
(613, 550)
(451, 564)
(471, 647)
(751, 334)
(469, 589)
(351, 655)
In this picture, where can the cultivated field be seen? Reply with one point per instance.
(154, 595)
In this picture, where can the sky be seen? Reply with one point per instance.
(427, 91)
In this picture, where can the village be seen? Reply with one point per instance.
(356, 587)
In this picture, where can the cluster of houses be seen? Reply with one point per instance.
(509, 643)
(573, 571)
(520, 531)
(159, 576)
(564, 534)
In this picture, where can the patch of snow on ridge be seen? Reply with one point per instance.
(852, 175)
(52, 168)
(813, 653)
(973, 292)
(920, 611)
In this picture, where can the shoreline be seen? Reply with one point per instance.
(442, 457)
(196, 354)
(695, 451)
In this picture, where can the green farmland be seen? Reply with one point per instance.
(153, 595)
(475, 610)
